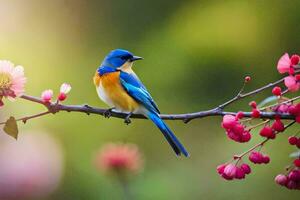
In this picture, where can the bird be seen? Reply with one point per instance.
(120, 88)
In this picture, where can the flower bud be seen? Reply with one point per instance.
(278, 125)
(281, 179)
(246, 168)
(293, 140)
(220, 168)
(276, 91)
(240, 174)
(47, 96)
(230, 170)
(229, 121)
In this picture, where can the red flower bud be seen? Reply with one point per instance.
(291, 185)
(297, 162)
(253, 104)
(246, 137)
(291, 71)
(220, 168)
(278, 125)
(255, 113)
(294, 109)
(239, 115)
(267, 132)
(276, 91)
(294, 175)
(62, 96)
(266, 159)
(246, 168)
(256, 157)
(293, 140)
(247, 79)
(294, 60)
(240, 174)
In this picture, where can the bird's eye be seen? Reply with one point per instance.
(126, 57)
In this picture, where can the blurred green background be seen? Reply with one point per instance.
(196, 54)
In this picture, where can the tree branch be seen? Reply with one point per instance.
(186, 117)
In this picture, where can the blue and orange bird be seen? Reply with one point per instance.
(120, 88)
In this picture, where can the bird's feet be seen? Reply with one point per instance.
(127, 120)
(108, 113)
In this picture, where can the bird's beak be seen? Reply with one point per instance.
(134, 58)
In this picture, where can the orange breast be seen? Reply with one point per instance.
(112, 87)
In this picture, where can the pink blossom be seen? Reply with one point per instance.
(47, 96)
(32, 168)
(284, 64)
(229, 121)
(240, 174)
(291, 83)
(119, 157)
(65, 88)
(230, 170)
(294, 175)
(278, 125)
(246, 168)
(281, 179)
(282, 108)
(258, 158)
(12, 80)
(267, 132)
(234, 129)
(220, 168)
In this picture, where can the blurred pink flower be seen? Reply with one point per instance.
(284, 64)
(119, 157)
(12, 80)
(47, 96)
(291, 83)
(31, 168)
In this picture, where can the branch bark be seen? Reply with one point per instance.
(185, 117)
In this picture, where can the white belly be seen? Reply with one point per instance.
(103, 96)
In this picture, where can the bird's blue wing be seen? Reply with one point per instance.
(138, 91)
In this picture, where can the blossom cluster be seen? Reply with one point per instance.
(238, 128)
(257, 157)
(231, 171)
(287, 64)
(291, 180)
(234, 129)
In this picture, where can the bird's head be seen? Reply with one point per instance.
(118, 58)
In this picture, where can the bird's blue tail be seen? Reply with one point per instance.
(169, 135)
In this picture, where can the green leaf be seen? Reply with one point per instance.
(11, 127)
(295, 154)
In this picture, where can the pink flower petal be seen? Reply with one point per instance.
(284, 64)
(65, 88)
(291, 83)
